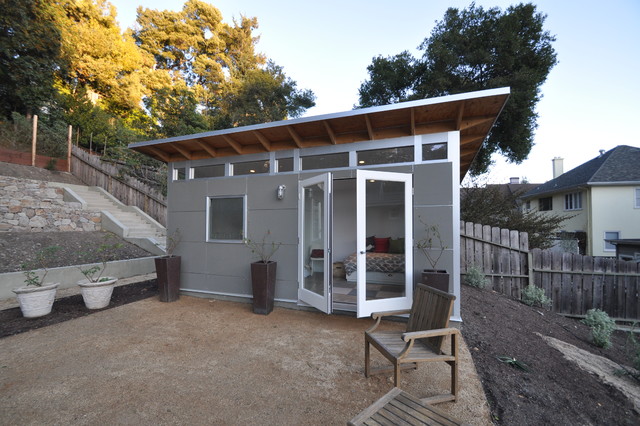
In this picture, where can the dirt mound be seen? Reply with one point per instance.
(36, 173)
(556, 390)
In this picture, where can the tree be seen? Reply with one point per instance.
(263, 95)
(488, 205)
(30, 55)
(475, 49)
(174, 112)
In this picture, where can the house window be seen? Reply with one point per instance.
(251, 167)
(637, 198)
(325, 161)
(403, 154)
(573, 201)
(179, 173)
(434, 151)
(545, 204)
(216, 170)
(285, 164)
(226, 218)
(610, 235)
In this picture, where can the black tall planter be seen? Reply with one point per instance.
(436, 278)
(168, 271)
(263, 281)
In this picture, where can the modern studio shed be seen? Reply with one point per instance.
(346, 194)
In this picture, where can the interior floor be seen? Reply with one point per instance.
(344, 292)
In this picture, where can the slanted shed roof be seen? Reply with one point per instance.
(473, 114)
(618, 165)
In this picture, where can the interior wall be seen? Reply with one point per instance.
(344, 218)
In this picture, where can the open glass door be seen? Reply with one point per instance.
(385, 261)
(314, 254)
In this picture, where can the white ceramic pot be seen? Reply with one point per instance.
(36, 301)
(97, 295)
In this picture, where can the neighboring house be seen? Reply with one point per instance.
(602, 196)
(330, 188)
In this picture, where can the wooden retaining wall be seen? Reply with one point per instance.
(94, 172)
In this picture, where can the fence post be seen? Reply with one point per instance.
(530, 268)
(34, 140)
(69, 137)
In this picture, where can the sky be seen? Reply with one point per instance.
(590, 99)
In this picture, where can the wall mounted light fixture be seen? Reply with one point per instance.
(280, 192)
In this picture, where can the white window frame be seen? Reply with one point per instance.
(605, 242)
(637, 198)
(208, 218)
(573, 201)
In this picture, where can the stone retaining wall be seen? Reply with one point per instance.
(33, 206)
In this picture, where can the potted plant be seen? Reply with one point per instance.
(36, 299)
(97, 290)
(433, 247)
(168, 270)
(263, 273)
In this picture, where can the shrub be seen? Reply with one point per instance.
(51, 164)
(534, 296)
(634, 348)
(475, 278)
(601, 327)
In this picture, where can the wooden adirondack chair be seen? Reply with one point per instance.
(421, 342)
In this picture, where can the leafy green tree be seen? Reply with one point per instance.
(263, 95)
(30, 55)
(174, 112)
(475, 49)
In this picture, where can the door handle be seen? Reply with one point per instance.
(362, 252)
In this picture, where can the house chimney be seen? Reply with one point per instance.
(557, 166)
(514, 180)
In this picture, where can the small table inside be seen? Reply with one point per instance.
(400, 408)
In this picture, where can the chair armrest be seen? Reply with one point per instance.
(377, 315)
(429, 333)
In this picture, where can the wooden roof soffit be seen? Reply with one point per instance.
(160, 154)
(413, 122)
(263, 140)
(475, 121)
(330, 131)
(460, 115)
(186, 154)
(369, 128)
(471, 139)
(295, 136)
(233, 144)
(209, 149)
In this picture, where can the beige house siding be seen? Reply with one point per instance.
(613, 209)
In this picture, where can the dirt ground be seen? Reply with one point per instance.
(201, 361)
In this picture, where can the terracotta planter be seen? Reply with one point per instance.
(36, 301)
(263, 281)
(438, 279)
(168, 271)
(97, 295)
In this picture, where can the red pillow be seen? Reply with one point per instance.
(382, 245)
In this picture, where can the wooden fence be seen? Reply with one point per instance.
(93, 171)
(573, 282)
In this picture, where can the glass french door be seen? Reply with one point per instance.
(314, 249)
(384, 218)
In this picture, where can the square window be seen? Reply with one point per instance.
(610, 235)
(573, 201)
(226, 218)
(285, 164)
(434, 151)
(637, 198)
(179, 173)
(545, 204)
